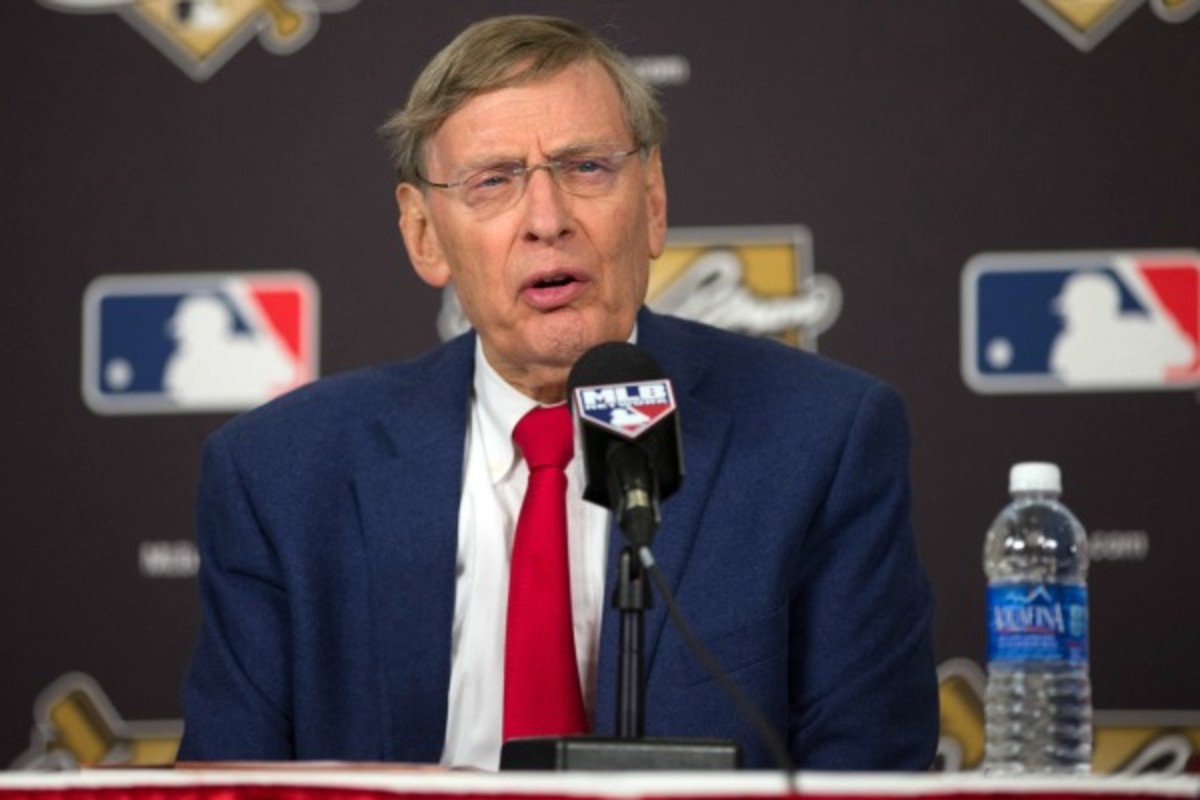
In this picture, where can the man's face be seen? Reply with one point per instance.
(554, 274)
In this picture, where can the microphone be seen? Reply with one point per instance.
(633, 459)
(626, 410)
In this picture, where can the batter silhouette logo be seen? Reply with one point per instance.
(196, 343)
(628, 410)
(1081, 321)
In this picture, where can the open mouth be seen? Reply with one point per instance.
(554, 290)
(550, 283)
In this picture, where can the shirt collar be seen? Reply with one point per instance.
(498, 409)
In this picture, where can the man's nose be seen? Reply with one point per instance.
(547, 206)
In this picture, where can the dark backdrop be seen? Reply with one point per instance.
(906, 136)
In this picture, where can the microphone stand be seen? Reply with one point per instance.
(638, 518)
(629, 749)
(631, 597)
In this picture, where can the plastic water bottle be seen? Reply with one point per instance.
(1039, 699)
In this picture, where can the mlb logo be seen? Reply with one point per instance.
(1084, 321)
(196, 343)
(629, 410)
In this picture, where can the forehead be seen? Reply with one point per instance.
(579, 104)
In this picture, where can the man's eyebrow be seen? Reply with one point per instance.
(488, 160)
(590, 147)
(603, 146)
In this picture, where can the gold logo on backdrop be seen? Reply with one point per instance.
(1175, 10)
(757, 280)
(1085, 23)
(1124, 742)
(201, 35)
(75, 726)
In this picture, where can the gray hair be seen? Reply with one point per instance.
(510, 51)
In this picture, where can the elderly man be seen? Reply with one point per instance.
(364, 539)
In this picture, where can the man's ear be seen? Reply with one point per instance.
(656, 203)
(420, 238)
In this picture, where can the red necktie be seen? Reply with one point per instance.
(541, 679)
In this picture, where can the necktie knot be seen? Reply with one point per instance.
(545, 437)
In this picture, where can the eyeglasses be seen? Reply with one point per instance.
(498, 187)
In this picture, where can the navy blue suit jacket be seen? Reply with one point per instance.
(328, 524)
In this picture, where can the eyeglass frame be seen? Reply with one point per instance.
(523, 171)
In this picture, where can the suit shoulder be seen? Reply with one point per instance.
(767, 364)
(329, 406)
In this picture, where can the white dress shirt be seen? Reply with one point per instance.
(494, 479)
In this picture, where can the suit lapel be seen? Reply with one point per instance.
(705, 432)
(408, 498)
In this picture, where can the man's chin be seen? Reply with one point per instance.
(563, 339)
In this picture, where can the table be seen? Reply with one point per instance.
(389, 782)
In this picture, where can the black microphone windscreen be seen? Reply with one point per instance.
(613, 362)
(613, 367)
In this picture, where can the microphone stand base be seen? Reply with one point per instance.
(590, 753)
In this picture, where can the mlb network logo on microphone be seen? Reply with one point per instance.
(196, 343)
(629, 409)
(1081, 321)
